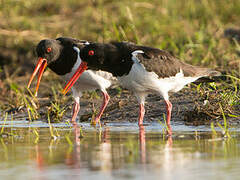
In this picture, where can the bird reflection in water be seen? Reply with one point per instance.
(142, 142)
(104, 150)
(73, 154)
(102, 156)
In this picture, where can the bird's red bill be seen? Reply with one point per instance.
(41, 66)
(74, 78)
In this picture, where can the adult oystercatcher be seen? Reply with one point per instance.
(142, 70)
(62, 56)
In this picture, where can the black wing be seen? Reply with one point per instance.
(74, 42)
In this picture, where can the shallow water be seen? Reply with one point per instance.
(116, 151)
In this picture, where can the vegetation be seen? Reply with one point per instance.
(192, 30)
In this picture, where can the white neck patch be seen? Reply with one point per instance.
(79, 60)
(134, 55)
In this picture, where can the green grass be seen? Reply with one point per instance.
(189, 29)
(56, 110)
(3, 126)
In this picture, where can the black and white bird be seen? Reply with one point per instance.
(62, 56)
(142, 70)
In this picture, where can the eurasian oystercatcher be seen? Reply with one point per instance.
(62, 56)
(142, 70)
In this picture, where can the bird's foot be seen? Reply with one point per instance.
(169, 131)
(73, 122)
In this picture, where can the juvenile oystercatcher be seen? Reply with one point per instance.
(62, 56)
(142, 70)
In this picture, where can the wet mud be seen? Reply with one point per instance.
(188, 106)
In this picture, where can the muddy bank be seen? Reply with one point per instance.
(194, 107)
(187, 107)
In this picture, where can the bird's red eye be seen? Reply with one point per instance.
(91, 53)
(49, 50)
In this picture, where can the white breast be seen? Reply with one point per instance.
(141, 81)
(89, 80)
(138, 79)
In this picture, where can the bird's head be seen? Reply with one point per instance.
(92, 56)
(48, 51)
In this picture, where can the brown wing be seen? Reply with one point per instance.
(163, 63)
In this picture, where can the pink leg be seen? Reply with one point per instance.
(106, 98)
(141, 114)
(76, 108)
(169, 111)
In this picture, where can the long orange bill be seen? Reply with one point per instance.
(74, 78)
(41, 66)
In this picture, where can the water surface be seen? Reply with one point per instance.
(116, 151)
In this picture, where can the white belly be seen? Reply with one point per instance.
(89, 80)
(141, 81)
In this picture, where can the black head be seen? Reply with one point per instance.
(93, 54)
(111, 57)
(49, 49)
(60, 53)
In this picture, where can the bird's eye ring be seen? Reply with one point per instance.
(49, 50)
(91, 53)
